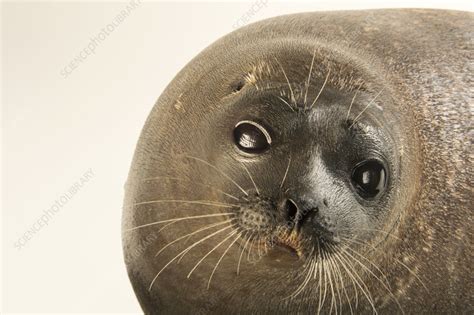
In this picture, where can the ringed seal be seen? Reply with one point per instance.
(310, 163)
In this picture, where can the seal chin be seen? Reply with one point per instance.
(282, 256)
(285, 247)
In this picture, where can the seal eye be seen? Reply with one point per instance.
(369, 178)
(251, 137)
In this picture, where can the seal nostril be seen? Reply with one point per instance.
(325, 202)
(291, 210)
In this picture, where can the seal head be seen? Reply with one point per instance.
(279, 175)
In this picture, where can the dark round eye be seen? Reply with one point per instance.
(369, 178)
(251, 137)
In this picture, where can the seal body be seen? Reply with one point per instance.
(310, 163)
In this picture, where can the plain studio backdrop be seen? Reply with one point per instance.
(69, 131)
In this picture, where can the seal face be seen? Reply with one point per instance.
(283, 175)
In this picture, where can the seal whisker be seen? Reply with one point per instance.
(349, 256)
(367, 260)
(307, 279)
(189, 181)
(352, 102)
(166, 225)
(336, 273)
(180, 219)
(337, 295)
(325, 281)
(266, 248)
(351, 277)
(363, 287)
(386, 285)
(220, 259)
(398, 261)
(184, 251)
(308, 270)
(210, 226)
(242, 253)
(286, 173)
(184, 254)
(210, 252)
(339, 234)
(218, 170)
(320, 286)
(341, 280)
(251, 247)
(251, 178)
(352, 274)
(318, 273)
(331, 286)
(284, 101)
(309, 79)
(197, 202)
(259, 250)
(293, 99)
(322, 88)
(373, 230)
(365, 108)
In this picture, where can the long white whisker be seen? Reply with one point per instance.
(331, 287)
(220, 259)
(251, 247)
(210, 252)
(335, 271)
(365, 108)
(192, 233)
(397, 260)
(320, 276)
(355, 274)
(286, 173)
(284, 101)
(352, 102)
(218, 170)
(193, 182)
(180, 219)
(185, 250)
(341, 280)
(374, 230)
(242, 253)
(293, 99)
(351, 278)
(322, 88)
(323, 268)
(251, 178)
(166, 225)
(386, 286)
(364, 258)
(308, 270)
(309, 79)
(197, 202)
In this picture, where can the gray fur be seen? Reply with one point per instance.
(421, 60)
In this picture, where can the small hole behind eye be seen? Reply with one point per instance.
(237, 86)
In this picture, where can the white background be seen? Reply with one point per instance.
(54, 129)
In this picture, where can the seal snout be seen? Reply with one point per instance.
(296, 214)
(256, 220)
(308, 220)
